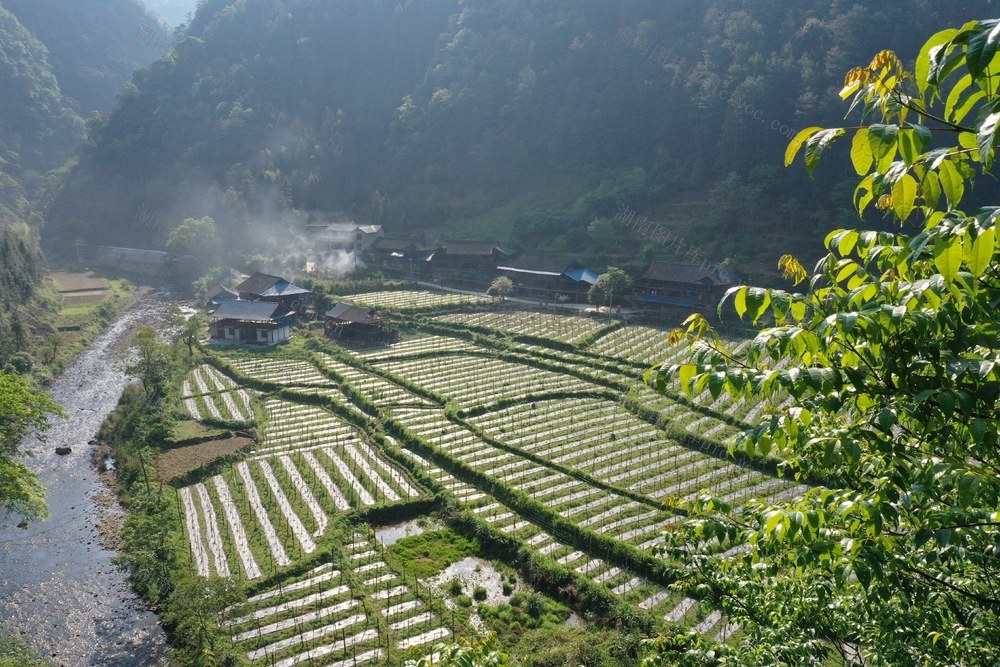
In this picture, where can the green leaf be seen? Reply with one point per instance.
(817, 145)
(981, 50)
(923, 64)
(952, 183)
(948, 257)
(847, 241)
(980, 251)
(930, 189)
(882, 139)
(861, 152)
(968, 485)
(863, 194)
(904, 195)
(985, 139)
(796, 143)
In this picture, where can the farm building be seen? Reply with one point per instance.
(406, 257)
(273, 289)
(220, 294)
(691, 287)
(468, 261)
(255, 322)
(549, 277)
(352, 323)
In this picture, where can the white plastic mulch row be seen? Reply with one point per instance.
(194, 533)
(192, 408)
(319, 516)
(289, 605)
(292, 519)
(277, 549)
(338, 498)
(296, 621)
(338, 646)
(345, 472)
(250, 567)
(212, 533)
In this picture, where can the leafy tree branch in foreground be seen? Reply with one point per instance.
(889, 352)
(21, 412)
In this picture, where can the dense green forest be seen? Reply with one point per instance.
(525, 121)
(59, 62)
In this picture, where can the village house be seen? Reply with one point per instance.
(468, 263)
(403, 257)
(549, 278)
(686, 287)
(220, 294)
(274, 289)
(253, 322)
(354, 324)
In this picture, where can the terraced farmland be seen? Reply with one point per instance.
(563, 328)
(208, 393)
(412, 300)
(523, 442)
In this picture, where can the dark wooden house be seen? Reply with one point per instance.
(549, 278)
(354, 324)
(251, 322)
(683, 287)
(274, 289)
(402, 257)
(470, 263)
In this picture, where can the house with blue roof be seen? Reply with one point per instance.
(549, 277)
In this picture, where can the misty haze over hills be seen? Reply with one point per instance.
(522, 121)
(174, 12)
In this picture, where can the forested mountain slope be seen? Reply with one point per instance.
(93, 46)
(524, 120)
(59, 61)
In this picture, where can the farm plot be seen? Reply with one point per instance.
(208, 393)
(288, 372)
(351, 610)
(630, 587)
(417, 346)
(412, 299)
(279, 503)
(564, 328)
(473, 380)
(373, 387)
(639, 344)
(616, 447)
(595, 508)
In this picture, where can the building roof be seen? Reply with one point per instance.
(251, 311)
(258, 283)
(474, 248)
(223, 293)
(581, 276)
(546, 265)
(263, 285)
(284, 288)
(346, 312)
(386, 244)
(676, 272)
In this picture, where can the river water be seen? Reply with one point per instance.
(59, 589)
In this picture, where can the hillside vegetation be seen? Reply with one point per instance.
(59, 62)
(519, 120)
